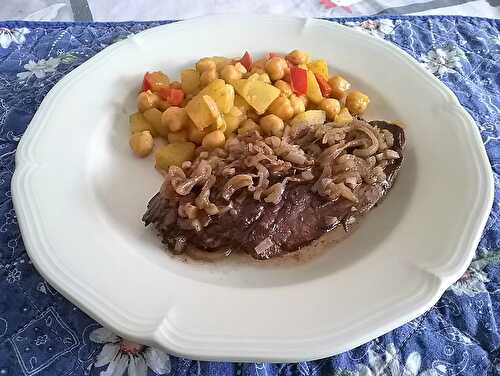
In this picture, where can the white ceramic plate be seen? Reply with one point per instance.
(79, 195)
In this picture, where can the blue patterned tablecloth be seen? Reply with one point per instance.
(41, 333)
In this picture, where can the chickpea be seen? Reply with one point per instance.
(248, 126)
(298, 57)
(339, 86)
(343, 117)
(275, 67)
(357, 102)
(153, 117)
(205, 64)
(174, 118)
(138, 123)
(282, 108)
(180, 136)
(141, 143)
(297, 104)
(146, 100)
(229, 73)
(331, 107)
(214, 140)
(285, 88)
(272, 125)
(208, 76)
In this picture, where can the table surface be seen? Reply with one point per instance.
(41, 333)
(145, 10)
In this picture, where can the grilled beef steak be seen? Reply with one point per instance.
(266, 230)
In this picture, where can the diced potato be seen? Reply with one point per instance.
(225, 99)
(213, 86)
(319, 67)
(261, 95)
(180, 136)
(221, 93)
(214, 110)
(220, 123)
(241, 103)
(174, 154)
(138, 123)
(343, 117)
(212, 106)
(233, 120)
(264, 77)
(199, 112)
(153, 116)
(255, 76)
(309, 118)
(258, 94)
(255, 70)
(241, 87)
(194, 134)
(313, 90)
(190, 80)
(158, 80)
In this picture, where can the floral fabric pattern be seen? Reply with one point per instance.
(41, 333)
(376, 27)
(14, 35)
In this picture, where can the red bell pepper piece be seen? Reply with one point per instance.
(173, 96)
(176, 97)
(298, 80)
(246, 60)
(324, 86)
(146, 82)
